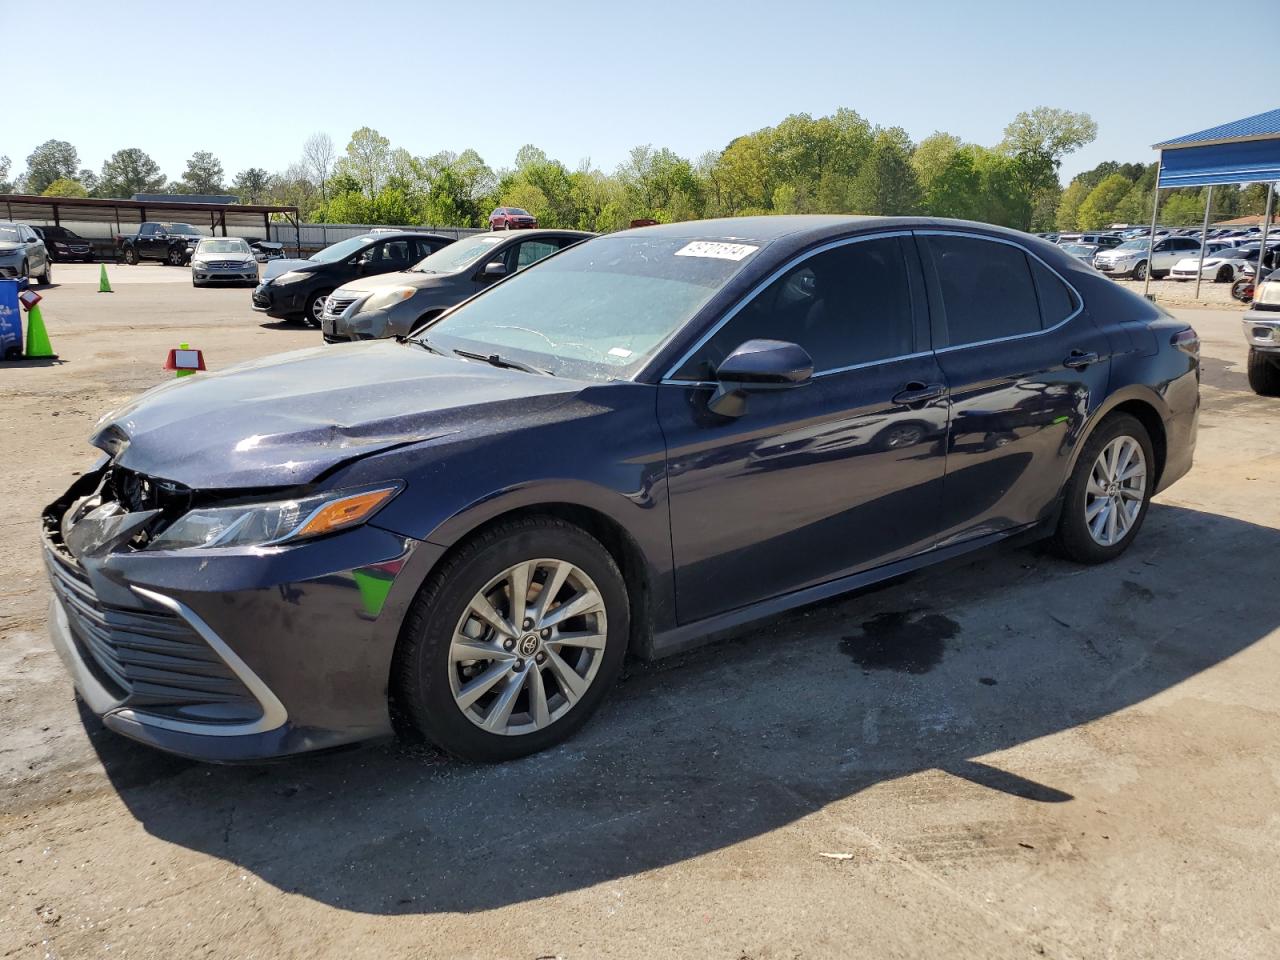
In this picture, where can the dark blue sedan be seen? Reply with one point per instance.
(642, 441)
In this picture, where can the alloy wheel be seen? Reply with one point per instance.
(528, 647)
(1115, 492)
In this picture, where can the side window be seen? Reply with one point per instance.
(987, 289)
(148, 230)
(1057, 302)
(845, 306)
(396, 251)
(423, 248)
(531, 251)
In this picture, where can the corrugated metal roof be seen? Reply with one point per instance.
(1261, 126)
(220, 198)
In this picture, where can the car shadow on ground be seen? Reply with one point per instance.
(712, 748)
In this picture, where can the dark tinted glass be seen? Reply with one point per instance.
(1057, 302)
(986, 288)
(849, 305)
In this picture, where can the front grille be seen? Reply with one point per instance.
(261, 299)
(151, 660)
(335, 305)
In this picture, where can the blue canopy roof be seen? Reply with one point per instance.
(1242, 151)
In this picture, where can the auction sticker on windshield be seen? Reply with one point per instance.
(717, 250)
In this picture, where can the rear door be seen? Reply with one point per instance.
(820, 481)
(1025, 366)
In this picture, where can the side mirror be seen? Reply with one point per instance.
(494, 269)
(755, 367)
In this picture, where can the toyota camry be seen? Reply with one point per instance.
(639, 442)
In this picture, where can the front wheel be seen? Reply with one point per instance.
(131, 256)
(513, 644)
(1264, 373)
(1242, 290)
(175, 257)
(314, 311)
(1140, 271)
(1225, 274)
(46, 278)
(1106, 498)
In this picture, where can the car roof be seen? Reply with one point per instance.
(535, 232)
(804, 228)
(374, 235)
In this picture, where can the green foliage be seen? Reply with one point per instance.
(1099, 208)
(886, 183)
(251, 185)
(203, 174)
(129, 171)
(1182, 209)
(6, 186)
(932, 157)
(65, 187)
(1068, 216)
(52, 160)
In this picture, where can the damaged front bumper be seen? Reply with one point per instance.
(234, 654)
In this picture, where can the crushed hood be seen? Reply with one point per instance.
(287, 419)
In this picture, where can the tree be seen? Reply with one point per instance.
(251, 185)
(1068, 216)
(1100, 207)
(89, 180)
(955, 189)
(367, 159)
(886, 184)
(317, 157)
(933, 155)
(130, 171)
(52, 160)
(1182, 208)
(65, 187)
(203, 174)
(6, 186)
(1038, 140)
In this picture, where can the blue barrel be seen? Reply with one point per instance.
(10, 320)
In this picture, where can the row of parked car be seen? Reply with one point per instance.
(1229, 255)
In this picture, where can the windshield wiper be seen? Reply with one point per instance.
(494, 360)
(421, 342)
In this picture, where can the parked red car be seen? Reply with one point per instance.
(512, 218)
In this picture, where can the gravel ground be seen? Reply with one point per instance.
(1006, 757)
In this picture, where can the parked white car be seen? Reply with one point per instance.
(1134, 257)
(1229, 263)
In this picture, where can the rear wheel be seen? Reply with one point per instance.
(1106, 498)
(513, 644)
(1264, 373)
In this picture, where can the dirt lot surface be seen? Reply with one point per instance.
(1006, 757)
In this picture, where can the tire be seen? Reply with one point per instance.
(1240, 290)
(175, 257)
(46, 278)
(1264, 373)
(1140, 270)
(131, 256)
(1073, 538)
(315, 307)
(26, 270)
(1225, 274)
(429, 678)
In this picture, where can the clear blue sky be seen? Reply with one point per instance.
(250, 81)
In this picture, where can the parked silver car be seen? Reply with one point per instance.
(223, 260)
(23, 254)
(1134, 257)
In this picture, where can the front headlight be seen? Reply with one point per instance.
(293, 276)
(199, 264)
(274, 522)
(387, 298)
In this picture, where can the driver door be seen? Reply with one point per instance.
(821, 480)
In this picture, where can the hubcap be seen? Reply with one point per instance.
(527, 647)
(317, 307)
(1115, 492)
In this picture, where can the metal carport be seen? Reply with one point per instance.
(222, 218)
(1242, 151)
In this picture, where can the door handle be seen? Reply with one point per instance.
(1079, 359)
(917, 391)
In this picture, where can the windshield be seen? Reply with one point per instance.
(1079, 249)
(518, 212)
(341, 250)
(599, 310)
(232, 245)
(1134, 244)
(9, 233)
(458, 256)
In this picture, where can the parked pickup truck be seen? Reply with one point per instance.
(171, 243)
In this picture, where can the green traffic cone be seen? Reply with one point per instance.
(104, 285)
(38, 345)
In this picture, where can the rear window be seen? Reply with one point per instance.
(987, 289)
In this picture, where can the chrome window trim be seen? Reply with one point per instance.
(1031, 253)
(759, 287)
(273, 711)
